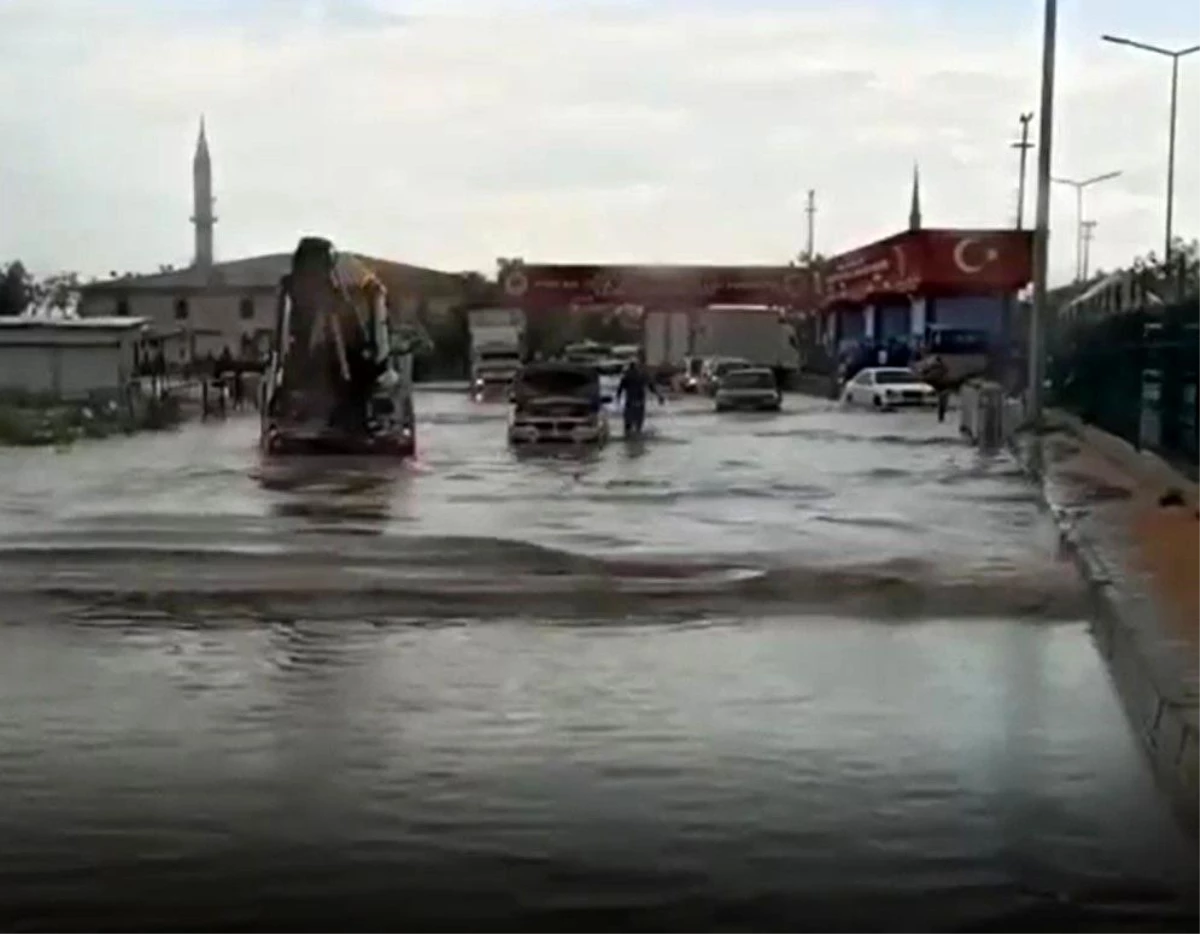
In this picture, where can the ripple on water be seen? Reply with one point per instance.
(440, 575)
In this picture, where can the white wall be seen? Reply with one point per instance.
(214, 320)
(28, 369)
(67, 370)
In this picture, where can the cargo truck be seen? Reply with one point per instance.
(497, 349)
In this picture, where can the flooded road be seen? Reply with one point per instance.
(820, 670)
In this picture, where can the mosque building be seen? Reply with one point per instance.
(209, 306)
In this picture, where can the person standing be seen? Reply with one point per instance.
(937, 377)
(239, 387)
(634, 386)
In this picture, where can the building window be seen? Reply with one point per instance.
(122, 308)
(181, 309)
(246, 309)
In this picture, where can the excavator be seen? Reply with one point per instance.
(339, 378)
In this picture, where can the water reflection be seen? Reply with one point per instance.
(565, 455)
(349, 495)
(635, 447)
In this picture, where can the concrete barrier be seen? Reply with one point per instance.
(982, 414)
(968, 410)
(1154, 680)
(1012, 417)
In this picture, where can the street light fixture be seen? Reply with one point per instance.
(1174, 57)
(1079, 186)
(1024, 146)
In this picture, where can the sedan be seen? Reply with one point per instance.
(748, 388)
(888, 388)
(717, 368)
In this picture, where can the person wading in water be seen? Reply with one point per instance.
(635, 383)
(937, 377)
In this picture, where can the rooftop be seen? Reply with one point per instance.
(256, 272)
(71, 324)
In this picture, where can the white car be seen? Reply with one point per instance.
(610, 372)
(888, 387)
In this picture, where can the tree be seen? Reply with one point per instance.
(56, 291)
(16, 289)
(1177, 281)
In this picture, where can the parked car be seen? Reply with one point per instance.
(885, 387)
(752, 388)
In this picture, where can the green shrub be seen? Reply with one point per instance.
(28, 419)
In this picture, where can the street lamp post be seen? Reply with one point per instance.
(1079, 186)
(1039, 312)
(1175, 57)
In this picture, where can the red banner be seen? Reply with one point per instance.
(965, 261)
(917, 263)
(544, 286)
(888, 267)
(931, 263)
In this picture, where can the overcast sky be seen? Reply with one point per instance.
(450, 132)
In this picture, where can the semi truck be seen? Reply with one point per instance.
(339, 376)
(497, 349)
(759, 334)
(667, 339)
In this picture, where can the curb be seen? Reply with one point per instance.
(1157, 690)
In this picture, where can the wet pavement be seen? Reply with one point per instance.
(822, 669)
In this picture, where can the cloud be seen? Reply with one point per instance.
(450, 133)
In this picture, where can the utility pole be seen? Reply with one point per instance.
(1024, 145)
(1041, 232)
(1089, 228)
(811, 210)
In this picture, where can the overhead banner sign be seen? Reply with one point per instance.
(541, 285)
(931, 262)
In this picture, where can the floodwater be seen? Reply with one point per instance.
(816, 670)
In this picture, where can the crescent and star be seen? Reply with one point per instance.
(991, 254)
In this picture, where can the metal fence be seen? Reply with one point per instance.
(1134, 375)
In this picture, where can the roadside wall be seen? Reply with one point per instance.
(1154, 672)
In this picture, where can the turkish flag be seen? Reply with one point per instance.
(977, 260)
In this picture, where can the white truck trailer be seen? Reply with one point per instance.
(757, 333)
(497, 347)
(666, 339)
